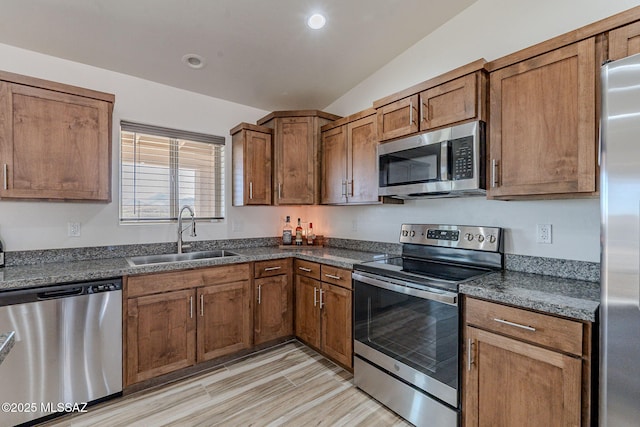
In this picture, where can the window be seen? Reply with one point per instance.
(163, 169)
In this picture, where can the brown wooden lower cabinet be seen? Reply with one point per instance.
(161, 334)
(224, 319)
(177, 319)
(323, 310)
(513, 373)
(273, 296)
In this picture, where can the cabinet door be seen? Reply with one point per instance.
(273, 309)
(308, 310)
(337, 336)
(362, 185)
(296, 158)
(398, 119)
(258, 166)
(511, 383)
(334, 166)
(161, 334)
(543, 124)
(449, 103)
(224, 319)
(624, 41)
(54, 145)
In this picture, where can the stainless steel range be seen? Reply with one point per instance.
(407, 320)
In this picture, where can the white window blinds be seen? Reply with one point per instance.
(163, 169)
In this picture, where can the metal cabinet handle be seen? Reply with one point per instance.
(259, 294)
(410, 112)
(350, 184)
(308, 270)
(321, 299)
(201, 305)
(494, 173)
(517, 325)
(315, 296)
(344, 188)
(279, 190)
(272, 268)
(250, 190)
(5, 179)
(331, 276)
(191, 307)
(469, 354)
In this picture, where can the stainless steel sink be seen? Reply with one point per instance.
(189, 256)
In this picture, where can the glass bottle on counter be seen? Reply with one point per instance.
(287, 232)
(299, 233)
(310, 235)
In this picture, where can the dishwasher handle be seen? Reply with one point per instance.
(60, 293)
(65, 290)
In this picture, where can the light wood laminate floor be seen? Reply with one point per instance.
(288, 385)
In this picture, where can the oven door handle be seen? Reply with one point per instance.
(434, 295)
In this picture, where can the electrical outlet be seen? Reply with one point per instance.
(354, 225)
(543, 233)
(73, 229)
(237, 225)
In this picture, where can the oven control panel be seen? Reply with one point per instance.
(453, 236)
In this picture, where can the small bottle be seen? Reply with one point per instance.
(1, 255)
(310, 235)
(299, 233)
(287, 232)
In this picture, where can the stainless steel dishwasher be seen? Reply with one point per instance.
(68, 348)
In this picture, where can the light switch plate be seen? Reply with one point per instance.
(74, 229)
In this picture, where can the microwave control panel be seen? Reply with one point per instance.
(462, 158)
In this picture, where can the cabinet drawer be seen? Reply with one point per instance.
(272, 267)
(307, 268)
(553, 332)
(336, 276)
(154, 283)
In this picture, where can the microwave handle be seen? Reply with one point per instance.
(445, 172)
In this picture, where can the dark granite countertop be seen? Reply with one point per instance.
(576, 299)
(26, 276)
(6, 343)
(572, 298)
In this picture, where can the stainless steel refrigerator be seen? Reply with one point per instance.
(620, 240)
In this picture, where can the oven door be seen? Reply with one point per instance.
(409, 332)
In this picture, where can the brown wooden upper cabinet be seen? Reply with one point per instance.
(349, 160)
(296, 149)
(451, 98)
(624, 41)
(543, 124)
(55, 140)
(252, 148)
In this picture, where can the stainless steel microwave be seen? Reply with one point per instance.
(446, 162)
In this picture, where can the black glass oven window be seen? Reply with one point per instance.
(418, 332)
(421, 164)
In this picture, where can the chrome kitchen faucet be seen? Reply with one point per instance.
(181, 229)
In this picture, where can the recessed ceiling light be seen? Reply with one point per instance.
(193, 61)
(316, 21)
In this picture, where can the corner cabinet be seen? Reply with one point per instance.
(349, 170)
(251, 151)
(543, 124)
(296, 149)
(55, 141)
(524, 368)
(177, 319)
(451, 98)
(324, 310)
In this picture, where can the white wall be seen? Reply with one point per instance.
(487, 29)
(38, 225)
